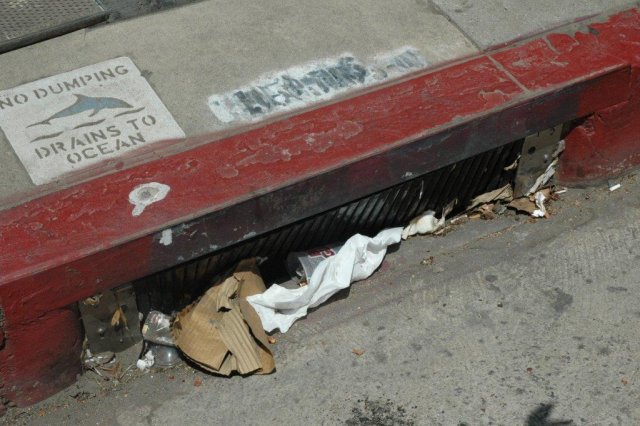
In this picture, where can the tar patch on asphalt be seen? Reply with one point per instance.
(379, 413)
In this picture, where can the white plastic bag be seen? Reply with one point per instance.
(359, 257)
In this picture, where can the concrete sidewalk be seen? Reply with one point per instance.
(192, 53)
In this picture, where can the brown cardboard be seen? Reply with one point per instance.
(222, 332)
(527, 204)
(501, 194)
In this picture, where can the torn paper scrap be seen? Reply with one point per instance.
(359, 257)
(221, 332)
(533, 204)
(549, 172)
(512, 166)
(543, 178)
(427, 223)
(501, 194)
(146, 362)
(541, 211)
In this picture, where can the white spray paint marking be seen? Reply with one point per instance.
(80, 118)
(310, 83)
(167, 237)
(147, 194)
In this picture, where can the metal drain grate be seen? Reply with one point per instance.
(24, 22)
(395, 206)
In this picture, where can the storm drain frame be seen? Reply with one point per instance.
(174, 288)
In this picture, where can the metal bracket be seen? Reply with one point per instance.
(537, 153)
(111, 320)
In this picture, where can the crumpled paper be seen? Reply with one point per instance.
(541, 211)
(359, 257)
(146, 362)
(501, 194)
(427, 222)
(533, 205)
(544, 178)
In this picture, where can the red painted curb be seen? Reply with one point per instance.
(606, 144)
(68, 245)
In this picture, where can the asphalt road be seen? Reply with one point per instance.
(513, 322)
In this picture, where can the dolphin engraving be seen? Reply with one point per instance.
(85, 103)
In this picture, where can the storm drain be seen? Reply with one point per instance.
(396, 206)
(24, 22)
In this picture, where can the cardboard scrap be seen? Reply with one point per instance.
(357, 352)
(533, 204)
(221, 332)
(501, 194)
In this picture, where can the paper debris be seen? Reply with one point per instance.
(146, 362)
(541, 211)
(523, 204)
(427, 223)
(460, 219)
(118, 316)
(560, 191)
(499, 208)
(486, 212)
(533, 204)
(513, 165)
(221, 332)
(501, 194)
(549, 172)
(359, 257)
(543, 178)
(615, 187)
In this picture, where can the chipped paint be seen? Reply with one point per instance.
(407, 175)
(268, 151)
(310, 83)
(167, 237)
(146, 194)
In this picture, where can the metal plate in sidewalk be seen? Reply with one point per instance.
(24, 22)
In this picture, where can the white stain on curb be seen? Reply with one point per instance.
(147, 194)
(167, 237)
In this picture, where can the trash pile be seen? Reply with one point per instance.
(225, 330)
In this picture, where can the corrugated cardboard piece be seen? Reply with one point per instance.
(221, 332)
